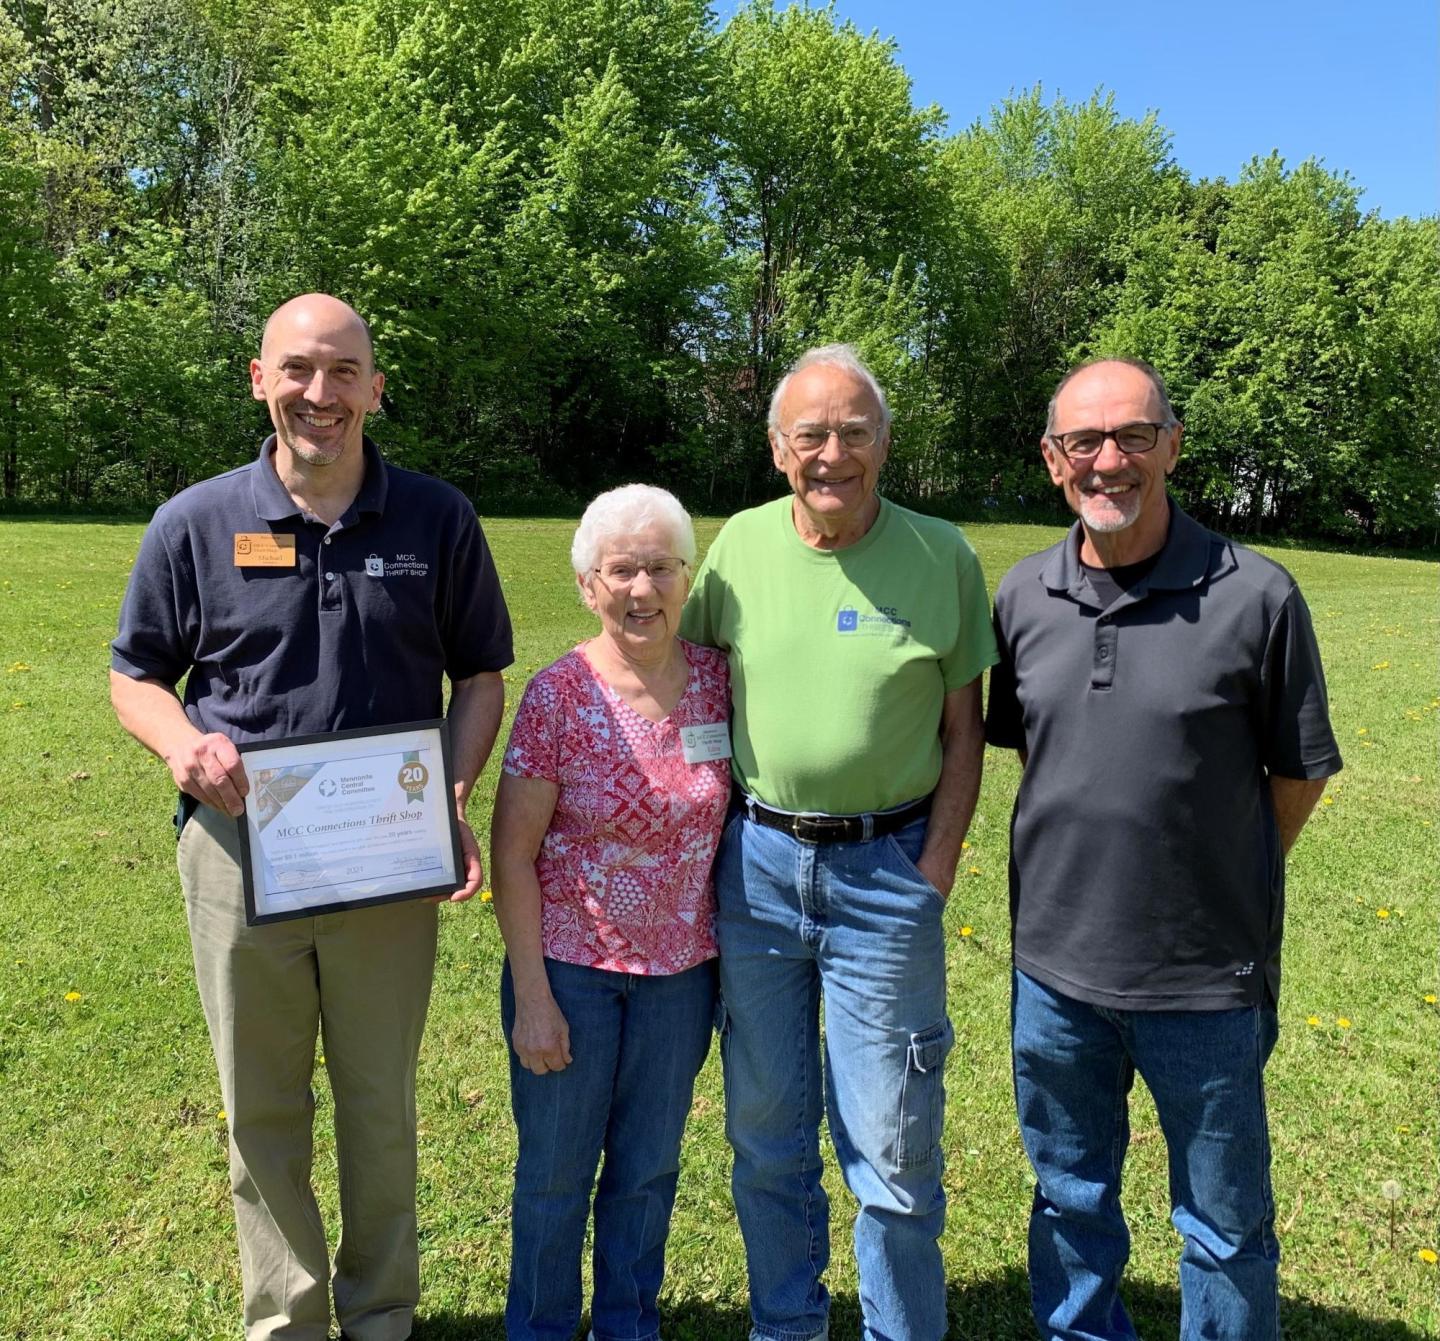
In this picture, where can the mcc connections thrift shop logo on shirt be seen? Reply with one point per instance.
(883, 619)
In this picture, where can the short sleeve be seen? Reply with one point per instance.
(476, 632)
(974, 648)
(156, 637)
(1298, 741)
(534, 748)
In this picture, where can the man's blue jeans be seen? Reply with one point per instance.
(857, 925)
(1074, 1068)
(638, 1042)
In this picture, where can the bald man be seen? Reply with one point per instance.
(314, 589)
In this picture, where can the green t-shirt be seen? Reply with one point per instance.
(840, 659)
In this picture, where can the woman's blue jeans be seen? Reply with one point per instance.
(1074, 1068)
(638, 1042)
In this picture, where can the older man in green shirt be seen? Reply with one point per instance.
(857, 632)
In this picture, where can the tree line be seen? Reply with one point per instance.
(589, 235)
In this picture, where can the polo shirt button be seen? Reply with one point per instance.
(1104, 651)
(329, 577)
(327, 539)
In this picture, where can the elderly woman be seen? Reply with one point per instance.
(614, 790)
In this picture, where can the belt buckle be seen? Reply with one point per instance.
(822, 828)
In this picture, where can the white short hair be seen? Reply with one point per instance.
(620, 513)
(830, 356)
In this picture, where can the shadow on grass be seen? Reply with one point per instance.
(994, 1309)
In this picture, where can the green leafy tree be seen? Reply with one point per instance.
(824, 184)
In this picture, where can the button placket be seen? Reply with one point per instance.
(1102, 670)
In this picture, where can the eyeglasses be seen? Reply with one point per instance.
(621, 573)
(854, 437)
(1132, 439)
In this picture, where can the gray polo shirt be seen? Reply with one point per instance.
(356, 631)
(1146, 870)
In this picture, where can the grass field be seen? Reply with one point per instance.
(115, 1215)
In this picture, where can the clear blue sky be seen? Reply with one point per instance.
(1354, 84)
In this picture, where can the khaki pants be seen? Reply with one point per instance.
(362, 980)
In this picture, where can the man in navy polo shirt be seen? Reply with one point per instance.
(314, 589)
(1164, 690)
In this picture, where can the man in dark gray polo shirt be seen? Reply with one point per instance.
(1164, 690)
(314, 589)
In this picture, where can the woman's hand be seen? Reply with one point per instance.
(541, 1038)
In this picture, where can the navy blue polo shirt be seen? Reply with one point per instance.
(1146, 871)
(357, 633)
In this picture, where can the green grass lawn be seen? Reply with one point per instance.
(115, 1214)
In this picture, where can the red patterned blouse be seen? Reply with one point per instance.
(624, 868)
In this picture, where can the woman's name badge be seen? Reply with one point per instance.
(709, 740)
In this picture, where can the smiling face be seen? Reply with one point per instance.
(834, 486)
(316, 373)
(640, 617)
(1119, 497)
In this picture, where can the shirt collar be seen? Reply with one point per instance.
(1185, 560)
(273, 503)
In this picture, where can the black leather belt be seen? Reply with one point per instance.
(811, 827)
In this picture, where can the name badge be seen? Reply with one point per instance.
(709, 740)
(264, 549)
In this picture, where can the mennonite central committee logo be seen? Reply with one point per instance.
(327, 786)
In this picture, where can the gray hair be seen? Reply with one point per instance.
(829, 356)
(1169, 420)
(619, 513)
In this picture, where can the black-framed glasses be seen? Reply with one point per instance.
(855, 436)
(1132, 439)
(621, 573)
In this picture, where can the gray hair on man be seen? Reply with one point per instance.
(1158, 382)
(618, 514)
(830, 356)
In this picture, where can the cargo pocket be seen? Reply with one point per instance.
(922, 1095)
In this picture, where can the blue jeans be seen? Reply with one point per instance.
(1074, 1067)
(638, 1042)
(857, 925)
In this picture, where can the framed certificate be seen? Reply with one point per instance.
(348, 819)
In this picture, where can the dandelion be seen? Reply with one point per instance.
(222, 1115)
(486, 896)
(1363, 731)
(1313, 1021)
(1382, 913)
(73, 996)
(1429, 996)
(964, 845)
(1343, 1022)
(1328, 801)
(1381, 665)
(967, 931)
(17, 667)
(972, 870)
(1429, 1256)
